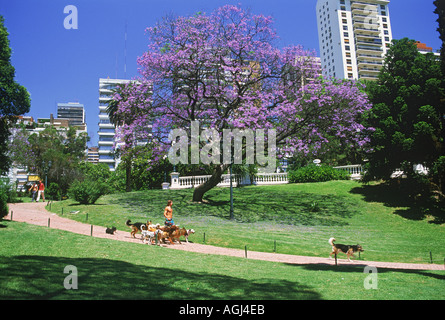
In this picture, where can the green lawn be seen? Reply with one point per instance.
(295, 219)
(33, 258)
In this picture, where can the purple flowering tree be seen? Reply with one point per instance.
(226, 71)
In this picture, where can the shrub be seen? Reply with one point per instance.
(3, 203)
(88, 191)
(53, 191)
(5, 191)
(314, 173)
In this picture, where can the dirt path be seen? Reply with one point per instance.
(35, 213)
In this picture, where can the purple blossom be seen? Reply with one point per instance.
(224, 70)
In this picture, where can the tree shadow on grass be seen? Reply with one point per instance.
(393, 197)
(358, 267)
(296, 208)
(42, 277)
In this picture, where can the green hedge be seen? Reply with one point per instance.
(314, 173)
(87, 192)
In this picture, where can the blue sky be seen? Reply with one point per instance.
(60, 65)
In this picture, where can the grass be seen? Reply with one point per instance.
(33, 258)
(294, 219)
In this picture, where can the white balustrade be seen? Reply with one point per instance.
(355, 170)
(178, 182)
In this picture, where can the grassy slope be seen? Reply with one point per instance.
(299, 217)
(33, 258)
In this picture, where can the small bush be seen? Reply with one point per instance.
(87, 192)
(53, 191)
(4, 209)
(5, 192)
(314, 173)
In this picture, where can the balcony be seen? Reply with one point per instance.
(367, 63)
(371, 50)
(365, 12)
(368, 77)
(366, 31)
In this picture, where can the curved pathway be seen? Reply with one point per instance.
(35, 213)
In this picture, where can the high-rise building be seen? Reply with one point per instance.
(354, 37)
(107, 133)
(73, 111)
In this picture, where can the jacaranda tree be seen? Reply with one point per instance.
(225, 70)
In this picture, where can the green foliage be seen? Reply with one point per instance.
(88, 191)
(55, 154)
(406, 112)
(314, 173)
(14, 98)
(4, 191)
(53, 192)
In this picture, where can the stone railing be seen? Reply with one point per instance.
(355, 170)
(178, 182)
(270, 178)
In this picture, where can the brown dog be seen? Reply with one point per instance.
(167, 233)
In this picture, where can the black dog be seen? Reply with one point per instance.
(110, 230)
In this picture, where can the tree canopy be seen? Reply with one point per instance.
(225, 70)
(406, 112)
(14, 98)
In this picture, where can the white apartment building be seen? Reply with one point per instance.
(106, 131)
(354, 37)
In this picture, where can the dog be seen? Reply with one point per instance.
(189, 232)
(181, 232)
(136, 227)
(167, 233)
(110, 230)
(346, 249)
(149, 234)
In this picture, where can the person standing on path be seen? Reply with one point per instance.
(168, 214)
(33, 190)
(41, 191)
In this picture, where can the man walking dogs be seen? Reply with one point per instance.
(168, 214)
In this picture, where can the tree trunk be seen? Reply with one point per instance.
(200, 190)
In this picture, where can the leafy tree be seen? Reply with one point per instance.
(52, 153)
(224, 70)
(14, 98)
(406, 112)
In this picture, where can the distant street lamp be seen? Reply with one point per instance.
(231, 192)
(46, 168)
